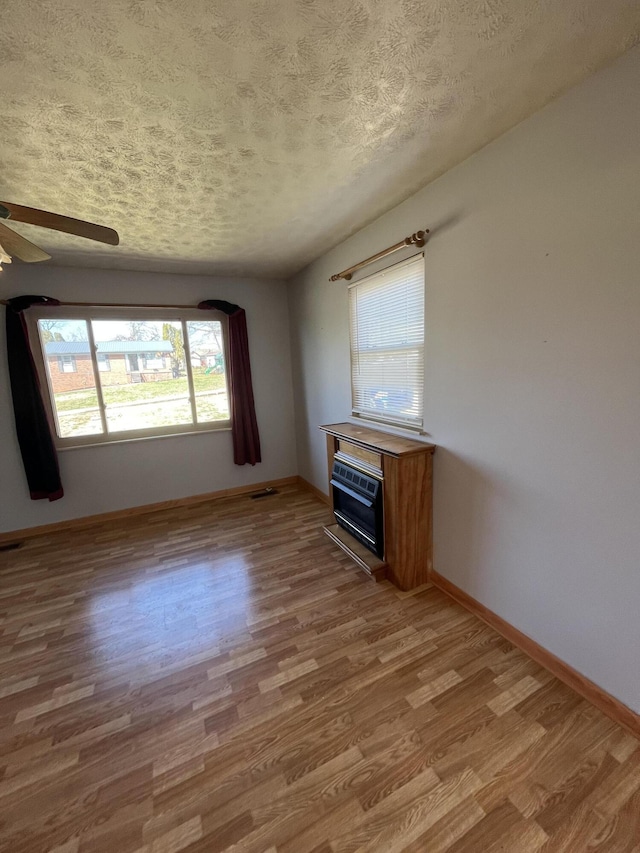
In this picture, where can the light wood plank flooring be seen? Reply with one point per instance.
(223, 678)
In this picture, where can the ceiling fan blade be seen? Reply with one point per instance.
(15, 244)
(61, 223)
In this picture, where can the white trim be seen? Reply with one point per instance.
(189, 366)
(416, 433)
(128, 437)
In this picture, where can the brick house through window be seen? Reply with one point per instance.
(70, 366)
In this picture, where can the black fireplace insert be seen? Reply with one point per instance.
(357, 505)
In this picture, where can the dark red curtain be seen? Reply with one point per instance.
(244, 426)
(38, 450)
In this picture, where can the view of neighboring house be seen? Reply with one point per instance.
(119, 362)
(207, 359)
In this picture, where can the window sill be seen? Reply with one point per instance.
(62, 448)
(388, 426)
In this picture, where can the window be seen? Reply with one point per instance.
(153, 361)
(134, 374)
(386, 312)
(66, 364)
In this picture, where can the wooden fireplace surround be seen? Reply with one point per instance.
(405, 467)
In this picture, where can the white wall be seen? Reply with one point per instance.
(532, 372)
(112, 477)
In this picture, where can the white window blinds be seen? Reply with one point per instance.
(386, 312)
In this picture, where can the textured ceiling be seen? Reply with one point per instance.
(249, 136)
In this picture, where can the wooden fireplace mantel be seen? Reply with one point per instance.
(405, 467)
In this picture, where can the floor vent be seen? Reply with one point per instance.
(11, 546)
(264, 493)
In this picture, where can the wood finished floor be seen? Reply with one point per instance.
(223, 678)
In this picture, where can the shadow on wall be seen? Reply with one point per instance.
(449, 222)
(466, 504)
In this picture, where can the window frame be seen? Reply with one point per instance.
(168, 314)
(416, 426)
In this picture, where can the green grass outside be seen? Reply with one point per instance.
(131, 393)
(177, 412)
